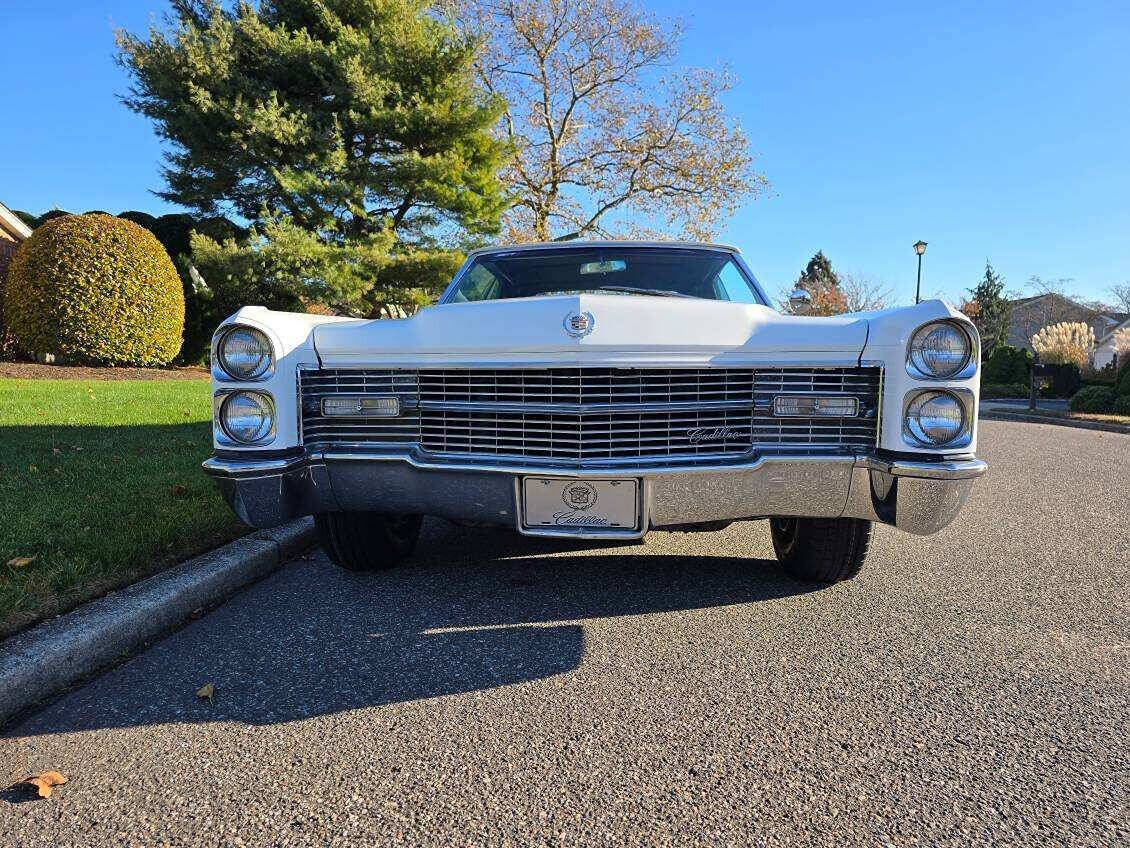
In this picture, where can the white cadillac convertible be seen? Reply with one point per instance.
(599, 390)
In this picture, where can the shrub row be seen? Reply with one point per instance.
(1099, 398)
(1004, 390)
(1011, 367)
(1007, 365)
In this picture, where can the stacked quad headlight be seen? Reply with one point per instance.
(243, 416)
(248, 418)
(935, 418)
(940, 351)
(244, 353)
(940, 417)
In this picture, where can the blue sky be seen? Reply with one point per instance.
(988, 129)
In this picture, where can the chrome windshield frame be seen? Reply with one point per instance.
(732, 252)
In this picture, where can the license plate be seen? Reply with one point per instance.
(551, 502)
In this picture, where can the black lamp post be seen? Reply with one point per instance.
(919, 248)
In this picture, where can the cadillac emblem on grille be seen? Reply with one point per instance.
(579, 324)
(579, 496)
(712, 434)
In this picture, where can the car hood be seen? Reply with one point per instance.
(623, 328)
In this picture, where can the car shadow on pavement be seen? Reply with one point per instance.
(472, 610)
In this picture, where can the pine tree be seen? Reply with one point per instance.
(349, 133)
(823, 285)
(993, 312)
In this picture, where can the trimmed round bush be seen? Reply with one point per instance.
(97, 290)
(1121, 405)
(1093, 399)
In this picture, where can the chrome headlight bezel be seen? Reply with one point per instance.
(223, 434)
(224, 371)
(916, 369)
(963, 398)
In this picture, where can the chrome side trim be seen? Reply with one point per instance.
(956, 469)
(250, 468)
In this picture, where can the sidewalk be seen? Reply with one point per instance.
(1021, 404)
(1047, 411)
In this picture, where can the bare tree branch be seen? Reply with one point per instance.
(604, 137)
(1121, 296)
(864, 293)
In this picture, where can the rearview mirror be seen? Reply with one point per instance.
(799, 299)
(607, 267)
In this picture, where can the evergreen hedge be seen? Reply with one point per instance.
(1093, 399)
(1007, 364)
(1122, 384)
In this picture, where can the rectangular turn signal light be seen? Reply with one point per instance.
(360, 406)
(814, 406)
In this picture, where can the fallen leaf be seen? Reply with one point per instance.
(32, 469)
(20, 562)
(178, 490)
(208, 690)
(46, 781)
(56, 451)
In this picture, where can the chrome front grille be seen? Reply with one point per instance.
(587, 436)
(313, 385)
(589, 386)
(580, 415)
(860, 431)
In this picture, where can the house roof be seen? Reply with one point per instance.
(11, 223)
(1112, 317)
(1124, 325)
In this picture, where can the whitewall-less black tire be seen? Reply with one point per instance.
(367, 541)
(821, 550)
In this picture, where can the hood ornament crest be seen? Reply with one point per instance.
(579, 324)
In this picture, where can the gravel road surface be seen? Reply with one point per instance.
(967, 688)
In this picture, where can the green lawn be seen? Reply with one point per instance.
(100, 481)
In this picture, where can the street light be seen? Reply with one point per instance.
(919, 248)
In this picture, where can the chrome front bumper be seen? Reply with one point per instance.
(918, 497)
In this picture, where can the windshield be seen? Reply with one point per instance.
(626, 271)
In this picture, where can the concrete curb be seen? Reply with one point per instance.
(997, 415)
(45, 660)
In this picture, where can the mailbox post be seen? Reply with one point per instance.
(1039, 371)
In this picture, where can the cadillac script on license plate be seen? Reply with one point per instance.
(581, 504)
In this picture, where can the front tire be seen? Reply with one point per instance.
(367, 541)
(821, 550)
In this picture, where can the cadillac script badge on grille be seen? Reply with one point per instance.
(579, 324)
(712, 434)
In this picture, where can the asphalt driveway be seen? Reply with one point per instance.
(971, 687)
